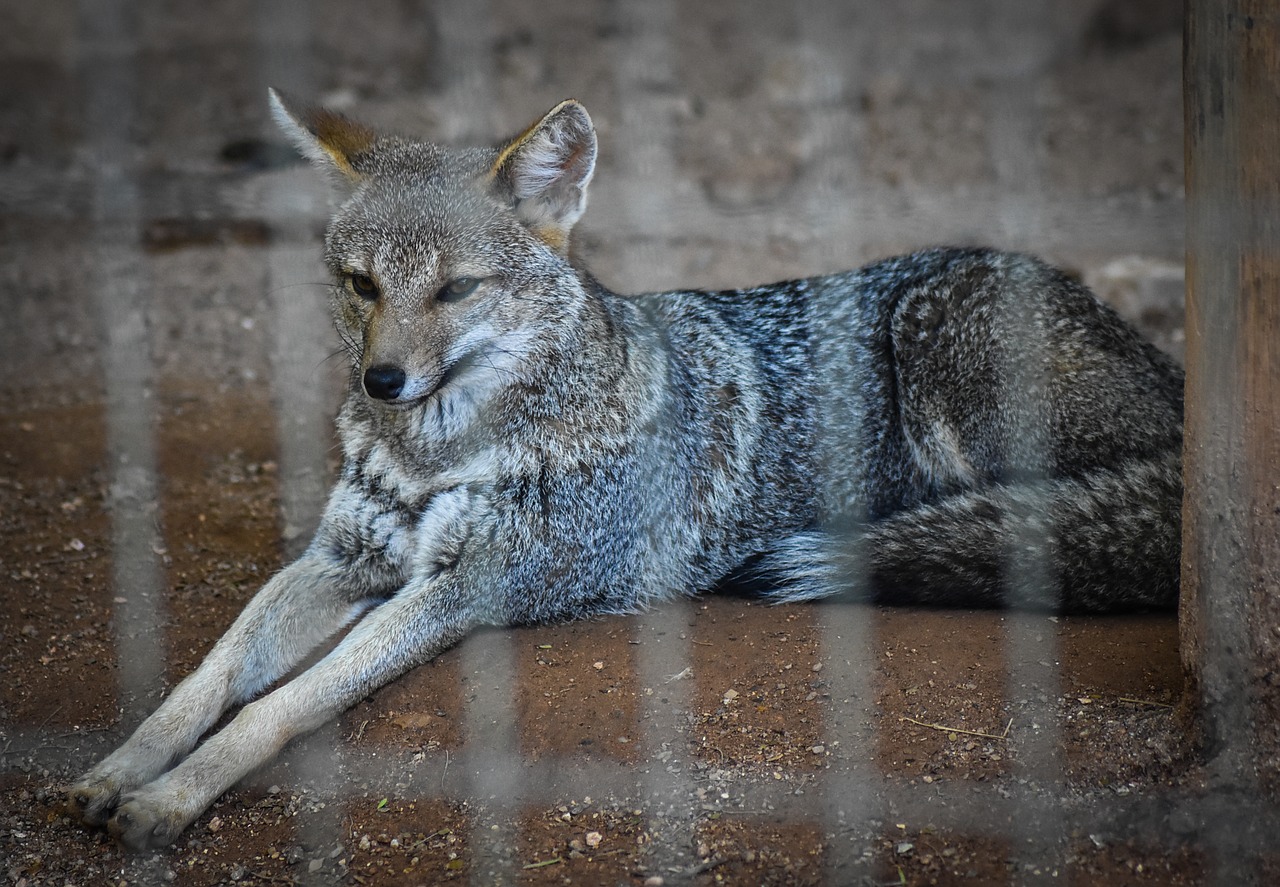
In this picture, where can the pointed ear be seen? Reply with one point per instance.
(327, 139)
(545, 170)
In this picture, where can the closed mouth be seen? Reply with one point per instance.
(453, 371)
(451, 374)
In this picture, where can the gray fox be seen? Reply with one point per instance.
(956, 427)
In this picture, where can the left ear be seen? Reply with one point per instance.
(545, 170)
(330, 141)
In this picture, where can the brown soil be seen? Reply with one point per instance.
(724, 741)
(755, 743)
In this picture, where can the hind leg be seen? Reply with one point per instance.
(971, 358)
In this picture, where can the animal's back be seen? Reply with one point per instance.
(960, 404)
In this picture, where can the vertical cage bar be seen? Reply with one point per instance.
(108, 59)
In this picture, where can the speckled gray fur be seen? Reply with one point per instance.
(953, 427)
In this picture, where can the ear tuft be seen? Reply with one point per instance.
(545, 171)
(326, 138)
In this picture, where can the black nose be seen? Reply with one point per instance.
(384, 381)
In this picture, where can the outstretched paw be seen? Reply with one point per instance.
(146, 820)
(94, 797)
(96, 794)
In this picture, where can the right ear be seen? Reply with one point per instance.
(326, 138)
(546, 169)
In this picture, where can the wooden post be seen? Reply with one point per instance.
(1230, 614)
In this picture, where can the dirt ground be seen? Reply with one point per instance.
(822, 744)
(755, 738)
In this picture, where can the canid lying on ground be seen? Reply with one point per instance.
(521, 445)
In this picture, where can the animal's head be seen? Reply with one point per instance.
(450, 262)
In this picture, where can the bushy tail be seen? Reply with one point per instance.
(1107, 541)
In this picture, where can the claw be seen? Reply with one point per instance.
(141, 822)
(93, 807)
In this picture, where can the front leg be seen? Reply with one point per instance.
(297, 609)
(434, 608)
(423, 619)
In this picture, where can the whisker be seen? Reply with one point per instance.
(299, 285)
(341, 352)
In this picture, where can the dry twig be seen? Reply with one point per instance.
(1003, 736)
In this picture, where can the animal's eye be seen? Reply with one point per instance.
(363, 286)
(458, 289)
